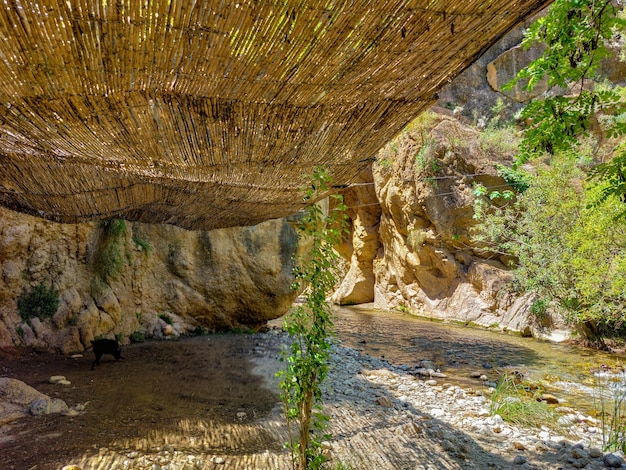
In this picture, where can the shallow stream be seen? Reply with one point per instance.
(566, 371)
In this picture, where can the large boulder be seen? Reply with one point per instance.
(16, 398)
(505, 68)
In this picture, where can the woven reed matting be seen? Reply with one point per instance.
(209, 113)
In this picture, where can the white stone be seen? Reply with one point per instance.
(437, 412)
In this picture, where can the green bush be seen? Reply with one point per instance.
(166, 318)
(41, 302)
(137, 337)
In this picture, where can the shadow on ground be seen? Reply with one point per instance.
(186, 402)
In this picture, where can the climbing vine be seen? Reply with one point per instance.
(310, 328)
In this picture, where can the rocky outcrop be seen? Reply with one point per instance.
(478, 94)
(363, 212)
(143, 280)
(425, 260)
(507, 65)
(18, 400)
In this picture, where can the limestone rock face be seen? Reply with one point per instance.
(476, 91)
(507, 65)
(477, 94)
(166, 278)
(424, 261)
(364, 212)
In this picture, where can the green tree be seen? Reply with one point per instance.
(565, 234)
(565, 246)
(310, 327)
(577, 35)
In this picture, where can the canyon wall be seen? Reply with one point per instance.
(144, 281)
(412, 249)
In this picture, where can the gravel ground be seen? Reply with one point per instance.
(382, 416)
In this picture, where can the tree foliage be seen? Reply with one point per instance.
(577, 35)
(566, 246)
(310, 327)
(564, 231)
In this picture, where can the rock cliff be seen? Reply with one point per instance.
(145, 280)
(413, 251)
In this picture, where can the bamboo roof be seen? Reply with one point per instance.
(210, 113)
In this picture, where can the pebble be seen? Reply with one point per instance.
(468, 410)
(43, 406)
(579, 453)
(595, 453)
(384, 401)
(518, 445)
(419, 408)
(613, 461)
(567, 420)
(549, 399)
(55, 379)
(437, 413)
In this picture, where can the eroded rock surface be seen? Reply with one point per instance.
(425, 260)
(165, 281)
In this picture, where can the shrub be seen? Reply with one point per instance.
(137, 337)
(499, 141)
(41, 302)
(166, 318)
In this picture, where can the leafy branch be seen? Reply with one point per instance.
(576, 35)
(310, 327)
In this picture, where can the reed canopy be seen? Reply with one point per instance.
(212, 113)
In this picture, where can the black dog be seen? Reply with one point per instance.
(105, 346)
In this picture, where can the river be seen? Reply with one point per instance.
(573, 374)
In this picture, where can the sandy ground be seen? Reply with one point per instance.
(211, 402)
(161, 391)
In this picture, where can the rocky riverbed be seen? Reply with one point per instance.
(382, 416)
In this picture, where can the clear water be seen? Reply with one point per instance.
(567, 371)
